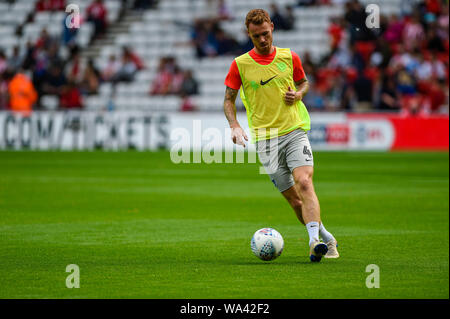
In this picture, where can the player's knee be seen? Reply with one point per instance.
(305, 183)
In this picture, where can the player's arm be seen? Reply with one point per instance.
(229, 107)
(302, 87)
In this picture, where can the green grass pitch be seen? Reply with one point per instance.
(139, 226)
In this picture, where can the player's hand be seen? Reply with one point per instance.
(292, 96)
(238, 136)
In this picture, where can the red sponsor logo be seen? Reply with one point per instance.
(338, 133)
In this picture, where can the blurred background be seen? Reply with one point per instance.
(173, 55)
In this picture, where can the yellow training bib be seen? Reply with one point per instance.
(262, 92)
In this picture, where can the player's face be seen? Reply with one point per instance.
(261, 36)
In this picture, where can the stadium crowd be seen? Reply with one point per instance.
(41, 69)
(400, 66)
(211, 40)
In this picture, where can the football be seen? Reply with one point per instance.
(267, 244)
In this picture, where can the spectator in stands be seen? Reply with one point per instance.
(16, 60)
(308, 64)
(355, 16)
(163, 79)
(278, 20)
(334, 94)
(406, 84)
(431, 68)
(144, 4)
(71, 96)
(340, 59)
(202, 37)
(90, 80)
(45, 40)
(394, 31)
(69, 34)
(22, 94)
(74, 67)
(40, 65)
(398, 59)
(111, 69)
(443, 20)
(171, 79)
(435, 41)
(389, 97)
(126, 71)
(4, 81)
(357, 60)
(438, 93)
(126, 51)
(336, 33)
(177, 81)
(53, 80)
(53, 54)
(289, 18)
(3, 61)
(189, 85)
(413, 33)
(383, 51)
(363, 91)
(413, 61)
(97, 14)
(29, 56)
(225, 43)
(130, 64)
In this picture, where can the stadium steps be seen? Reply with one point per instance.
(113, 31)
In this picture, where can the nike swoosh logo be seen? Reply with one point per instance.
(265, 82)
(308, 160)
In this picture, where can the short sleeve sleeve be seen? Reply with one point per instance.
(233, 79)
(299, 73)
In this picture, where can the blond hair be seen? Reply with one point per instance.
(257, 16)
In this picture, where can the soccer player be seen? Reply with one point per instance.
(272, 84)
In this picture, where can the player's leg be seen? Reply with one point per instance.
(299, 159)
(304, 184)
(327, 237)
(303, 177)
(293, 198)
(310, 210)
(272, 152)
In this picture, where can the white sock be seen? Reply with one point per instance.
(313, 231)
(326, 236)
